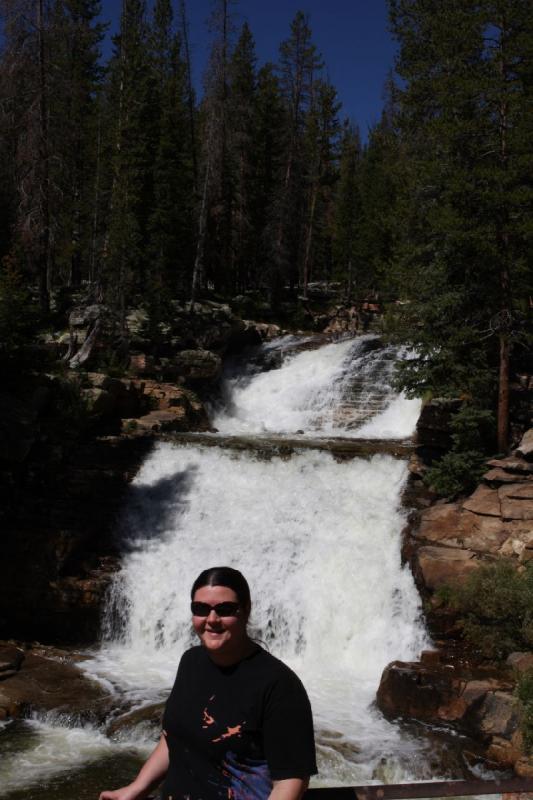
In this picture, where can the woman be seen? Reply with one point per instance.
(237, 724)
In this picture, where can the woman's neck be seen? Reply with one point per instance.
(233, 656)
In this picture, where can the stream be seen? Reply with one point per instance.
(316, 530)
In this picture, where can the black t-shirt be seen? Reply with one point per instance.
(231, 731)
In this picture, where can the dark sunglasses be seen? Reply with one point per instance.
(228, 609)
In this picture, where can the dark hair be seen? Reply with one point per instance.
(225, 576)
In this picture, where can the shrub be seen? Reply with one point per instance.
(461, 469)
(524, 692)
(495, 607)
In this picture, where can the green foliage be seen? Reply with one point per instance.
(464, 257)
(18, 314)
(495, 606)
(455, 473)
(524, 692)
(460, 469)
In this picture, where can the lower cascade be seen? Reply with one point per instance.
(319, 542)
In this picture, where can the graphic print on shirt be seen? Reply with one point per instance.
(231, 730)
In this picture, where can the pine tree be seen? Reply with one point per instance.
(213, 252)
(25, 114)
(465, 116)
(300, 63)
(321, 140)
(242, 74)
(133, 141)
(270, 123)
(74, 83)
(170, 222)
(348, 210)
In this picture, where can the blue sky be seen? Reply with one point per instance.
(352, 36)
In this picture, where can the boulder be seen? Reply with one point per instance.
(525, 448)
(412, 691)
(506, 751)
(498, 715)
(46, 684)
(147, 716)
(524, 767)
(440, 566)
(520, 662)
(498, 476)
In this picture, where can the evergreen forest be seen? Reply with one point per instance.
(117, 179)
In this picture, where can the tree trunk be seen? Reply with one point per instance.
(197, 275)
(309, 239)
(44, 236)
(503, 393)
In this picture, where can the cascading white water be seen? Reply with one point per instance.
(342, 389)
(319, 541)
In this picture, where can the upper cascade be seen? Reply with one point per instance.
(341, 389)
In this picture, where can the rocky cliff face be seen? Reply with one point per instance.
(444, 545)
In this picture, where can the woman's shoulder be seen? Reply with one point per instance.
(273, 668)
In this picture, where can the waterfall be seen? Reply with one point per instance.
(318, 540)
(342, 389)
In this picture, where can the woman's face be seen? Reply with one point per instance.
(224, 637)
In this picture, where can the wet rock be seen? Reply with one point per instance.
(11, 658)
(148, 715)
(45, 684)
(411, 691)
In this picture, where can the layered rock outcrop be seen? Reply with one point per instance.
(447, 543)
(496, 521)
